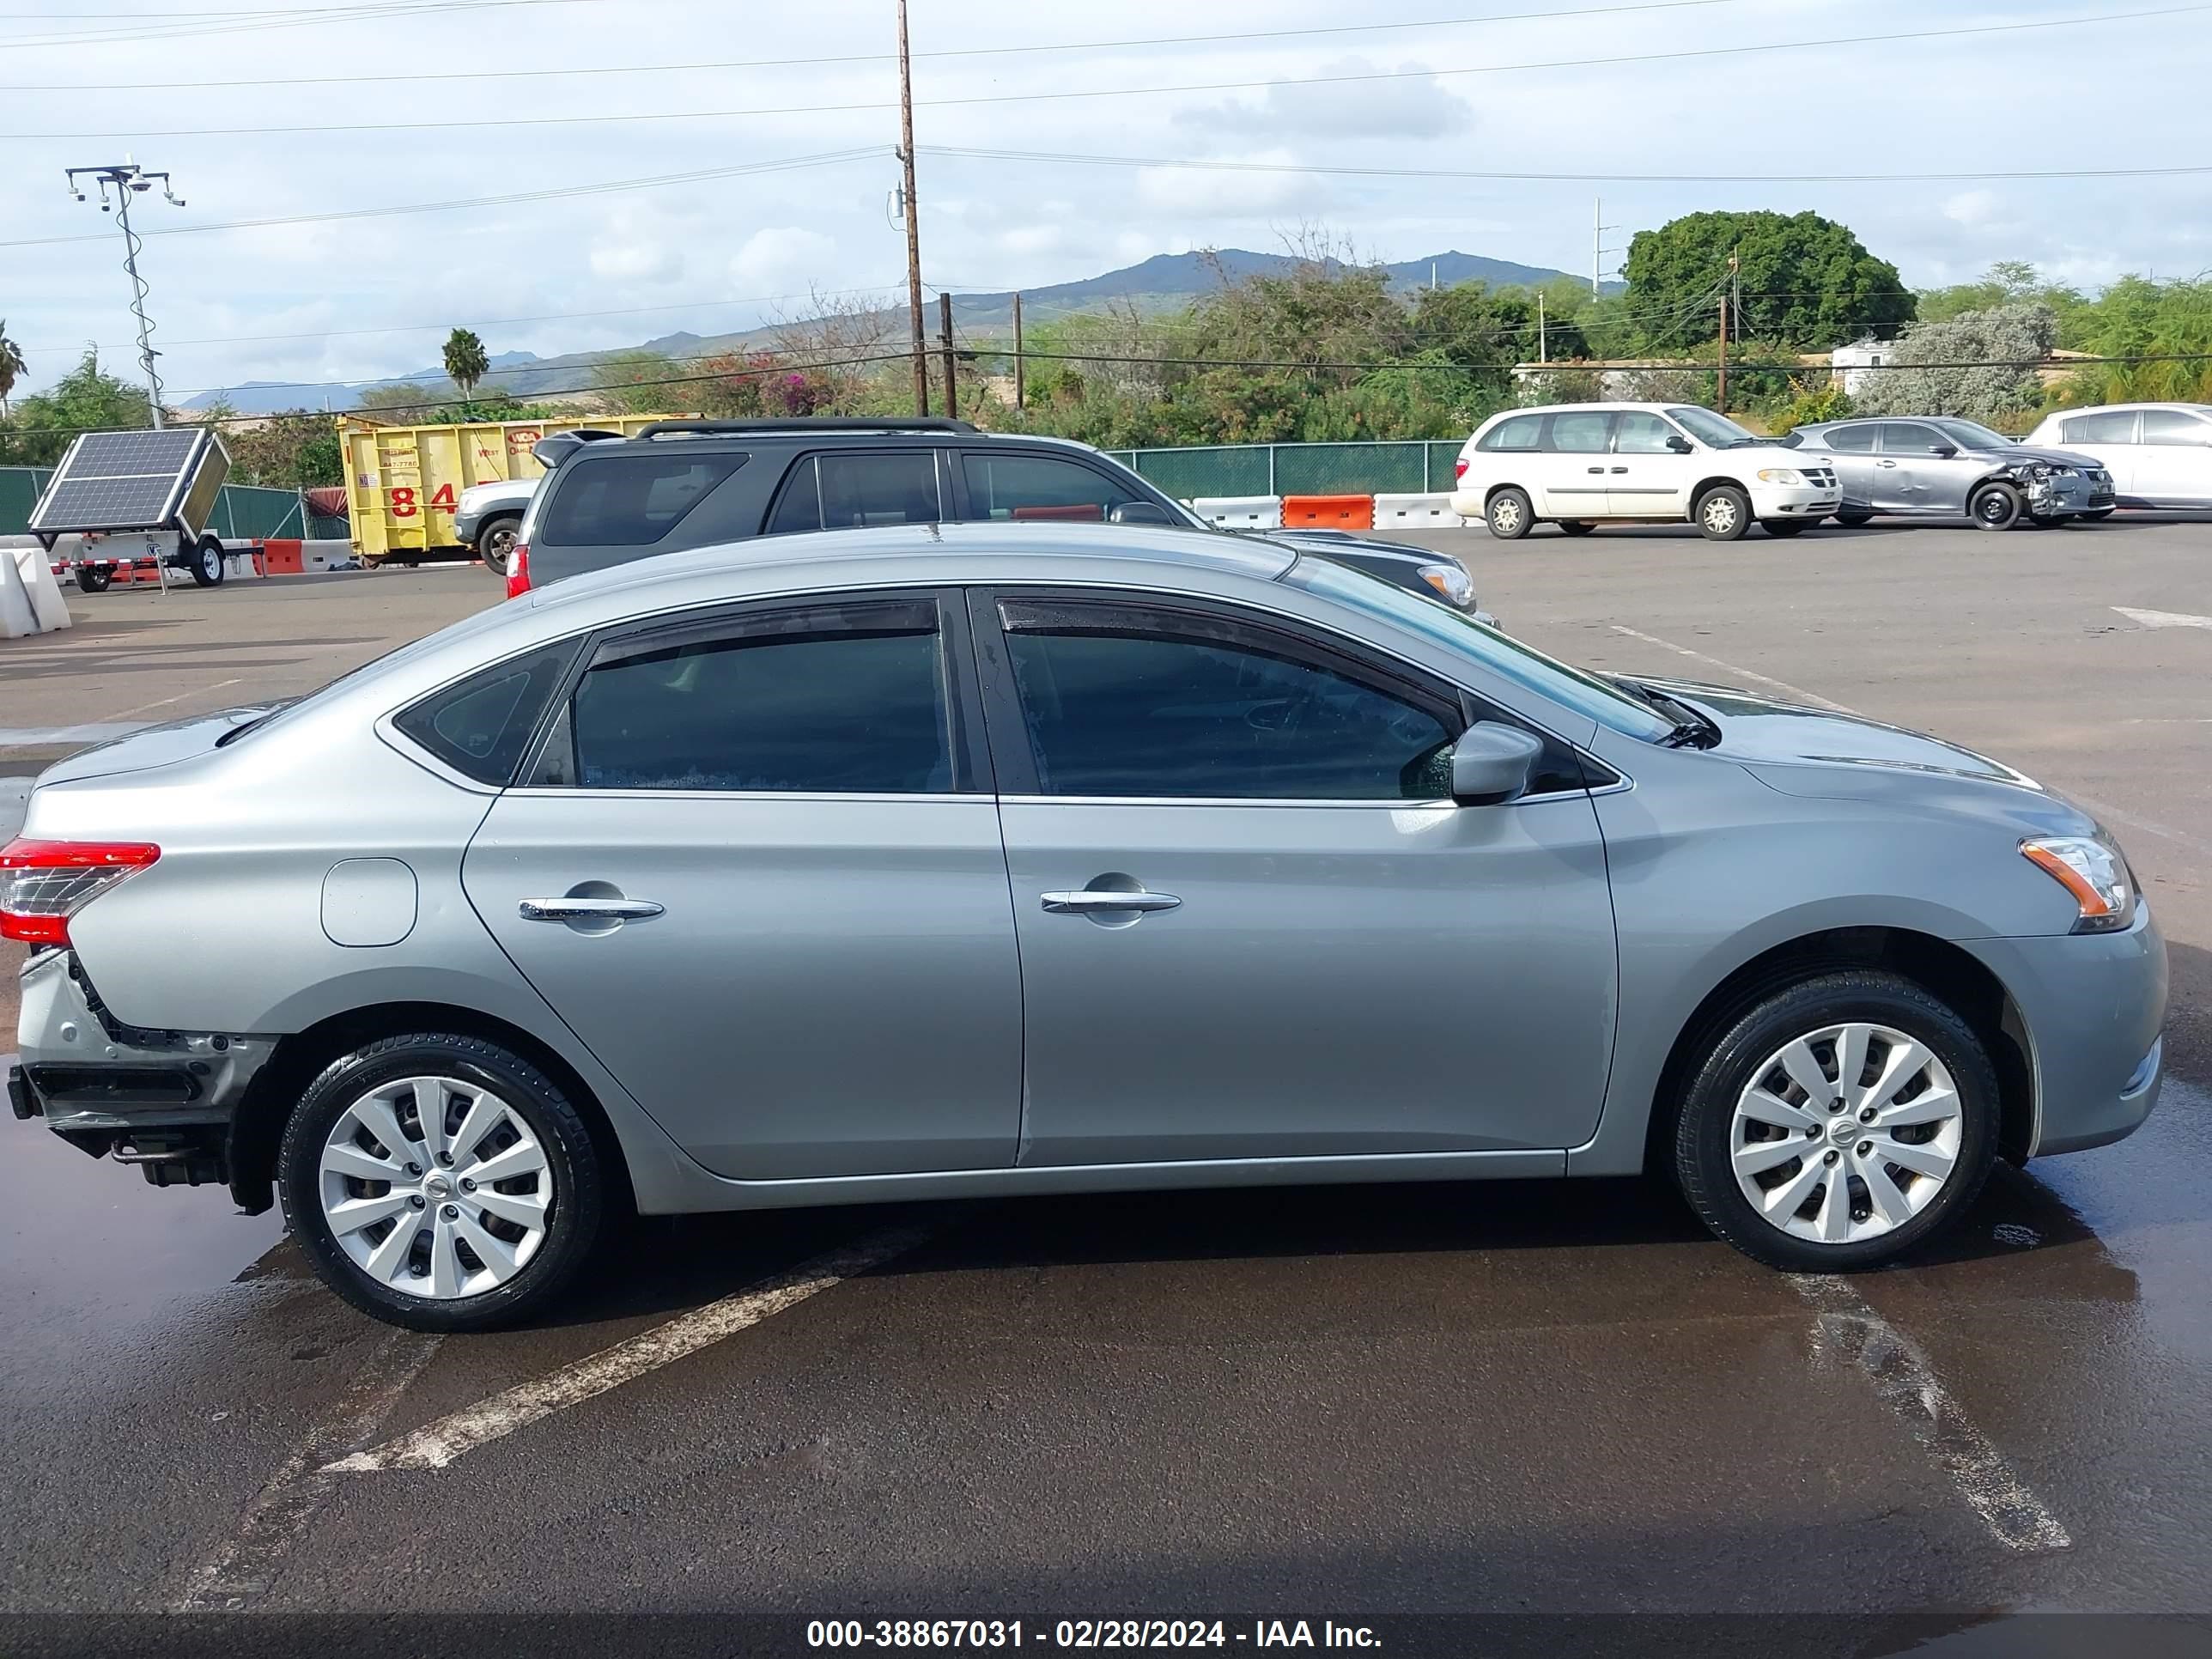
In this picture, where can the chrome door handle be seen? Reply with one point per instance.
(1885, 463)
(588, 910)
(1597, 469)
(1621, 469)
(1091, 900)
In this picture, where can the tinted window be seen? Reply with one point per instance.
(1580, 434)
(481, 726)
(1639, 434)
(1522, 432)
(631, 499)
(1849, 439)
(1903, 438)
(1031, 487)
(851, 491)
(2112, 426)
(1137, 702)
(844, 699)
(2168, 427)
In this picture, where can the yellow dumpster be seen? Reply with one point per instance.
(404, 481)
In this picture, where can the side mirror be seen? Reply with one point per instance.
(1680, 445)
(1140, 512)
(1942, 452)
(1490, 764)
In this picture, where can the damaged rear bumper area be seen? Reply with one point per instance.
(161, 1100)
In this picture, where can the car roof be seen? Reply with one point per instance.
(832, 431)
(927, 550)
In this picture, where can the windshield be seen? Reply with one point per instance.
(1715, 431)
(1526, 667)
(1968, 435)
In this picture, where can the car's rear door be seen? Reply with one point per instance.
(859, 486)
(1250, 925)
(1857, 465)
(757, 868)
(1023, 487)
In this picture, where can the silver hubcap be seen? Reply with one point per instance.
(436, 1187)
(1845, 1133)
(1720, 515)
(1506, 515)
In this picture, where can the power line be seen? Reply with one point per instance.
(254, 22)
(1062, 95)
(868, 58)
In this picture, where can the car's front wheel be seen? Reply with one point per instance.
(1510, 515)
(1996, 507)
(1837, 1123)
(495, 544)
(1724, 513)
(440, 1183)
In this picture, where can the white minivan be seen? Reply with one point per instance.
(2159, 455)
(1579, 465)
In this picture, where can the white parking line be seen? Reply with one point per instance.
(2163, 618)
(2103, 810)
(1848, 1329)
(436, 1444)
(247, 1563)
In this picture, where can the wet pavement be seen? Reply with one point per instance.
(1520, 1398)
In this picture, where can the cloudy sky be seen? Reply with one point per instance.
(779, 181)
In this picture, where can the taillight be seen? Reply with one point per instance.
(518, 570)
(1459, 468)
(44, 883)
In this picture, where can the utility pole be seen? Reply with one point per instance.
(1019, 402)
(913, 226)
(944, 340)
(1726, 290)
(1597, 246)
(130, 180)
(1543, 344)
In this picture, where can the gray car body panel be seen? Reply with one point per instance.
(1918, 484)
(1800, 821)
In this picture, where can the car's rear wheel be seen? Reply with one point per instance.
(1786, 528)
(440, 1183)
(1837, 1123)
(1995, 507)
(1576, 527)
(1724, 513)
(496, 543)
(95, 578)
(1510, 515)
(1851, 518)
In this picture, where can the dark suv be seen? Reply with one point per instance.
(679, 484)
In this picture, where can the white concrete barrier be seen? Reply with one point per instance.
(1432, 512)
(326, 555)
(30, 600)
(1241, 511)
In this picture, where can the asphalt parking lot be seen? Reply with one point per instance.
(1312, 1403)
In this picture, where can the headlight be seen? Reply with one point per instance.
(1453, 585)
(1781, 474)
(2093, 873)
(2036, 470)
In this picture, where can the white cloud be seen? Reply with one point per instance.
(1972, 206)
(1185, 191)
(1339, 103)
(629, 261)
(785, 259)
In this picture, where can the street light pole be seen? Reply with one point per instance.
(130, 180)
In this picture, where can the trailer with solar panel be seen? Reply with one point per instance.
(135, 499)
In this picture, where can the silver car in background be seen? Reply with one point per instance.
(1939, 467)
(941, 861)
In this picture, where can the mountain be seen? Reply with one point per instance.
(1165, 282)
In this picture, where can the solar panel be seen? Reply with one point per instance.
(126, 480)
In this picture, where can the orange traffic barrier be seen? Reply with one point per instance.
(281, 558)
(1329, 512)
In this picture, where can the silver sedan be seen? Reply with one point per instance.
(1941, 467)
(924, 862)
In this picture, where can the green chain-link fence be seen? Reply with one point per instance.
(1359, 469)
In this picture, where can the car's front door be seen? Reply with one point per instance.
(1651, 474)
(2173, 466)
(1577, 444)
(757, 870)
(1908, 475)
(1251, 923)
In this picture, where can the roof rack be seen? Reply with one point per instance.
(811, 424)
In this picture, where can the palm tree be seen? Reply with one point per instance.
(11, 366)
(465, 361)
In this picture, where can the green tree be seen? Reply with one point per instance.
(1807, 283)
(12, 366)
(297, 450)
(406, 399)
(631, 380)
(466, 362)
(86, 399)
(2009, 281)
(2137, 318)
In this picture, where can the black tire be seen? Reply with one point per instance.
(1510, 514)
(1722, 513)
(572, 1165)
(1995, 507)
(1786, 528)
(2097, 517)
(496, 543)
(94, 579)
(1731, 1063)
(1576, 527)
(206, 562)
(1852, 519)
